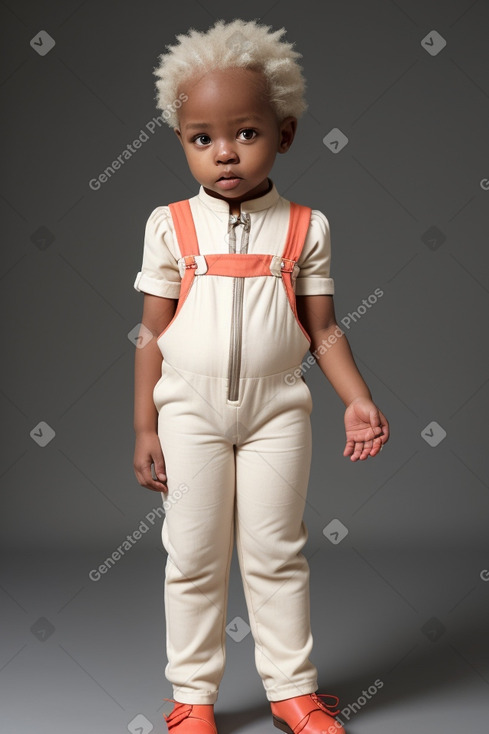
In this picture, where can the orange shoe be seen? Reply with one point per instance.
(306, 715)
(191, 718)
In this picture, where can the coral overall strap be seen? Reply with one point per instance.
(183, 222)
(239, 264)
(188, 243)
(299, 219)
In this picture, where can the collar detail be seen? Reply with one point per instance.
(251, 205)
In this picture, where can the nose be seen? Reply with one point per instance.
(226, 151)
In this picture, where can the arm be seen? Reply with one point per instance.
(316, 313)
(157, 314)
(366, 427)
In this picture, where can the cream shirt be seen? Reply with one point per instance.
(269, 214)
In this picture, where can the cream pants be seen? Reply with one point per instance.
(236, 471)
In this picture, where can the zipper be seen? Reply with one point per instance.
(235, 340)
(235, 337)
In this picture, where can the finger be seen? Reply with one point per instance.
(354, 448)
(146, 479)
(385, 427)
(156, 486)
(348, 447)
(365, 451)
(375, 421)
(357, 453)
(160, 469)
(371, 448)
(158, 479)
(162, 489)
(377, 447)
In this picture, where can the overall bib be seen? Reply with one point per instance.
(234, 427)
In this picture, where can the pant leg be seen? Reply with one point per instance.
(272, 474)
(198, 534)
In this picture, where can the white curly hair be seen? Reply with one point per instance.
(238, 43)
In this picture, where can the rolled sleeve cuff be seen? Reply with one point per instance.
(155, 286)
(312, 286)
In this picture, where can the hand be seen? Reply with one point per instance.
(147, 452)
(367, 429)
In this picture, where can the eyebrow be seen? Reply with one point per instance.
(237, 120)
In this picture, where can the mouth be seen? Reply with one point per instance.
(228, 182)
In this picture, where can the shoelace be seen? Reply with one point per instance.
(327, 707)
(171, 700)
(180, 712)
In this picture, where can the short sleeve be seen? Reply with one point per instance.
(159, 274)
(314, 278)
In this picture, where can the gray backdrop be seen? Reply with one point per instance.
(398, 545)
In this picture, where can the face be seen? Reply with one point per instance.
(230, 133)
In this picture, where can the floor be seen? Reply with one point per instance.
(81, 655)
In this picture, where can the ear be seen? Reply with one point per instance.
(287, 130)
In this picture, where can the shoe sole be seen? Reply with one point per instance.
(282, 725)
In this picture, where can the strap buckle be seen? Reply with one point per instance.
(196, 262)
(279, 265)
(286, 265)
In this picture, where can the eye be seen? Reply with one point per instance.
(202, 140)
(248, 133)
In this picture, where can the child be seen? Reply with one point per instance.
(237, 289)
